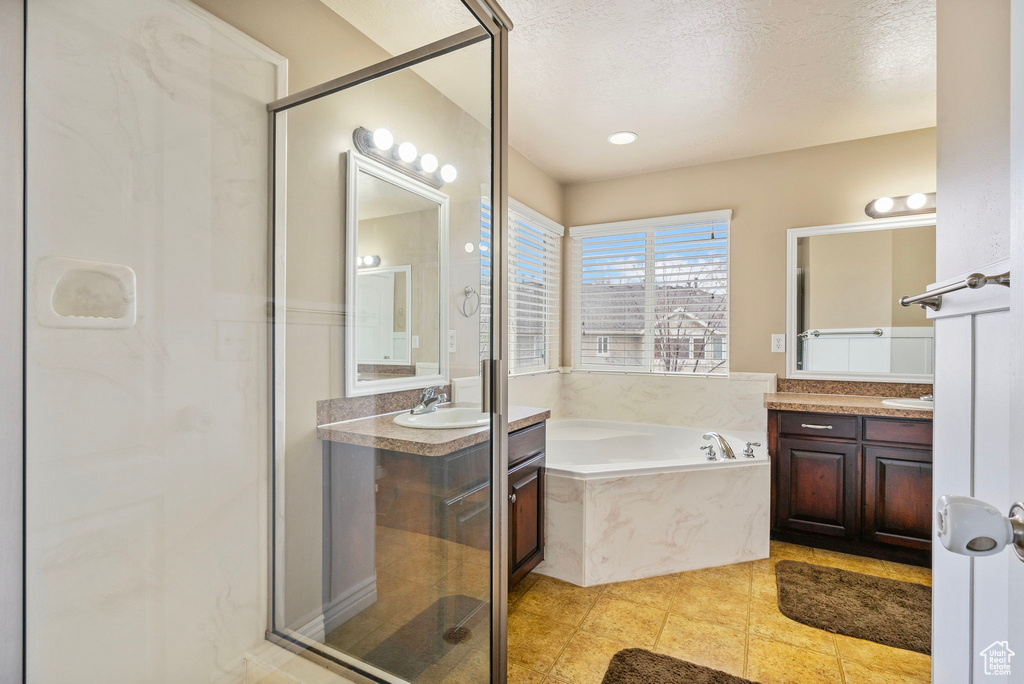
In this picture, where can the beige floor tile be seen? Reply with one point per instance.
(517, 592)
(517, 674)
(783, 551)
(703, 643)
(771, 662)
(734, 578)
(559, 600)
(474, 668)
(766, 621)
(625, 621)
(723, 606)
(586, 657)
(884, 657)
(348, 633)
(535, 641)
(763, 584)
(656, 592)
(467, 579)
(399, 599)
(908, 573)
(846, 561)
(856, 673)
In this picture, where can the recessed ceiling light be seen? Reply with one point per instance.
(622, 138)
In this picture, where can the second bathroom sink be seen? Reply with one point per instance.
(919, 404)
(445, 418)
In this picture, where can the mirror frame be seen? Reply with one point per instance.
(792, 237)
(357, 163)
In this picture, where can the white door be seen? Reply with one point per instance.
(978, 603)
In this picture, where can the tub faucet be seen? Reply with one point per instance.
(429, 401)
(722, 444)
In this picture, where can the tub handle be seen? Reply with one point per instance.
(811, 426)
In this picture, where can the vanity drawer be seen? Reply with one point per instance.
(818, 425)
(900, 431)
(526, 443)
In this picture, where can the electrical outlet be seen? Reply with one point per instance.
(778, 344)
(452, 346)
(415, 341)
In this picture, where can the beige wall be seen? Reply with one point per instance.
(768, 195)
(913, 259)
(974, 134)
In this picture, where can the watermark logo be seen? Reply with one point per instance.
(997, 658)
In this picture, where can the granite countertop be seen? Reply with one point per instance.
(840, 403)
(380, 432)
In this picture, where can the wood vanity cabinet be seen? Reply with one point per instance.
(859, 484)
(449, 496)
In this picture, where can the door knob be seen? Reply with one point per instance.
(512, 497)
(972, 527)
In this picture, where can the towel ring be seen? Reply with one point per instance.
(470, 293)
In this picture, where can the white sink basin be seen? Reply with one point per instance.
(919, 404)
(445, 418)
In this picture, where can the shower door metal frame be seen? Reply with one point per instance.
(494, 25)
(12, 340)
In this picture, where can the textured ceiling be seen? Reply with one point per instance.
(699, 80)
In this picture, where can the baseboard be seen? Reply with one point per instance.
(341, 610)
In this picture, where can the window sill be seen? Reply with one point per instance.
(601, 371)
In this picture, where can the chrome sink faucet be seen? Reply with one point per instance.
(429, 401)
(723, 446)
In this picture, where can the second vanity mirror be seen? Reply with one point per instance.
(844, 317)
(396, 271)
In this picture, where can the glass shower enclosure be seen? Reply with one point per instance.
(245, 293)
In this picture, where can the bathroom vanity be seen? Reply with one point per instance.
(435, 482)
(850, 474)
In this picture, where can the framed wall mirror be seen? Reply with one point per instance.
(396, 237)
(844, 319)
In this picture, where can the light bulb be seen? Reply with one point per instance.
(883, 204)
(470, 247)
(622, 138)
(372, 260)
(382, 139)
(448, 173)
(407, 152)
(428, 163)
(359, 261)
(917, 200)
(483, 246)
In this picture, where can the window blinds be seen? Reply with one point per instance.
(653, 295)
(534, 290)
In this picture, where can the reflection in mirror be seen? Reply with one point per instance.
(848, 281)
(397, 236)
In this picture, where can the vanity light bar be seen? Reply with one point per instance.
(918, 203)
(380, 145)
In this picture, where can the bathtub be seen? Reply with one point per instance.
(626, 501)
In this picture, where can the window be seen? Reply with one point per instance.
(534, 288)
(652, 295)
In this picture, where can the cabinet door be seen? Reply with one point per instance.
(898, 496)
(467, 518)
(818, 487)
(526, 517)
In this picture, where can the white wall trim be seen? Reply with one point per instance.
(340, 610)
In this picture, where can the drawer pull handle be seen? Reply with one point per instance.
(815, 427)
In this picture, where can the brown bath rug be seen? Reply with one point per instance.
(639, 666)
(878, 609)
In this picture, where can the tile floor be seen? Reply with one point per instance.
(726, 618)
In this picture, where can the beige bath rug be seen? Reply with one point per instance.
(878, 609)
(639, 666)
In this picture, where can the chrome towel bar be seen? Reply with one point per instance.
(877, 332)
(933, 298)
